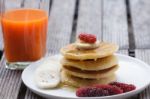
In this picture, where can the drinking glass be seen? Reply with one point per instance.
(24, 26)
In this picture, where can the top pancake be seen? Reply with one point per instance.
(105, 49)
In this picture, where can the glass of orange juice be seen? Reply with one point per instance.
(24, 26)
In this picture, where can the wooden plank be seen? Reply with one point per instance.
(1, 39)
(31, 95)
(45, 5)
(115, 27)
(145, 56)
(9, 4)
(9, 82)
(60, 24)
(141, 22)
(125, 52)
(32, 3)
(89, 17)
(1, 4)
(145, 94)
(59, 31)
(38, 4)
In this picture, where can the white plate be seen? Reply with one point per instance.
(132, 71)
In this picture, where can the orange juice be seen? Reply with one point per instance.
(24, 32)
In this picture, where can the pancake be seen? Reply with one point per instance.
(90, 74)
(79, 82)
(99, 64)
(105, 49)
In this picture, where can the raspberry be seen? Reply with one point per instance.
(88, 38)
(113, 90)
(98, 90)
(123, 86)
(91, 92)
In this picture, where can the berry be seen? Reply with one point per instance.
(123, 86)
(98, 90)
(91, 92)
(113, 90)
(88, 38)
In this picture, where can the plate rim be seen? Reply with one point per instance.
(108, 97)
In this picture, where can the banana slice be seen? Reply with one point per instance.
(47, 75)
(87, 46)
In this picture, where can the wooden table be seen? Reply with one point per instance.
(125, 22)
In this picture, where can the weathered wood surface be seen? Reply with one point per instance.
(45, 5)
(140, 11)
(1, 40)
(107, 19)
(145, 56)
(60, 24)
(125, 52)
(31, 95)
(89, 17)
(115, 27)
(12, 4)
(31, 3)
(42, 4)
(9, 82)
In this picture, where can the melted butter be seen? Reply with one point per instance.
(86, 46)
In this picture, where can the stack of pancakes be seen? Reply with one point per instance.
(88, 67)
